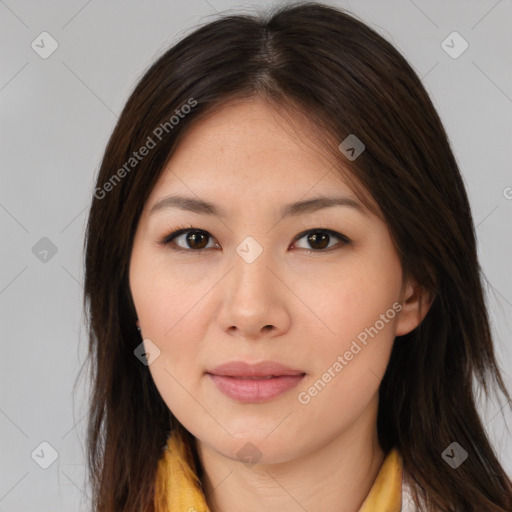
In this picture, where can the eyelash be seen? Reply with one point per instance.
(181, 230)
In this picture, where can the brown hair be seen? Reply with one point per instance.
(327, 65)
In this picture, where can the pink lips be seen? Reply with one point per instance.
(254, 382)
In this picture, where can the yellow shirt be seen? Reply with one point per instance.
(178, 488)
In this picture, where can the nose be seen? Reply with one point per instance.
(254, 299)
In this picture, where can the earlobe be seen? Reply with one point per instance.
(415, 305)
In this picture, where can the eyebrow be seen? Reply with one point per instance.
(293, 209)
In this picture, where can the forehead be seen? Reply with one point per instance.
(248, 145)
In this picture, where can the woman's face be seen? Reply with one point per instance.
(255, 286)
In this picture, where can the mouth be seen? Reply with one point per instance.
(254, 383)
(263, 369)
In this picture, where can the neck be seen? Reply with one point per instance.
(335, 477)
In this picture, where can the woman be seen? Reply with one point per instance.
(284, 298)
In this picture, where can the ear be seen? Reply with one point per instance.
(415, 305)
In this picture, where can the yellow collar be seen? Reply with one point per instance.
(178, 488)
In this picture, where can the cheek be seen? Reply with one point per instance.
(162, 296)
(346, 299)
(347, 368)
(358, 321)
(167, 307)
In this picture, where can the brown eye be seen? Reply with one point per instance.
(319, 239)
(194, 239)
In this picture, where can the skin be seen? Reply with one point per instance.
(208, 306)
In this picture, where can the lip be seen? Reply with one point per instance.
(253, 383)
(261, 369)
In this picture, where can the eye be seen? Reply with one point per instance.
(194, 240)
(319, 239)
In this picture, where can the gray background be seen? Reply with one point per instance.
(57, 114)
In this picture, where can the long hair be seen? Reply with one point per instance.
(328, 66)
